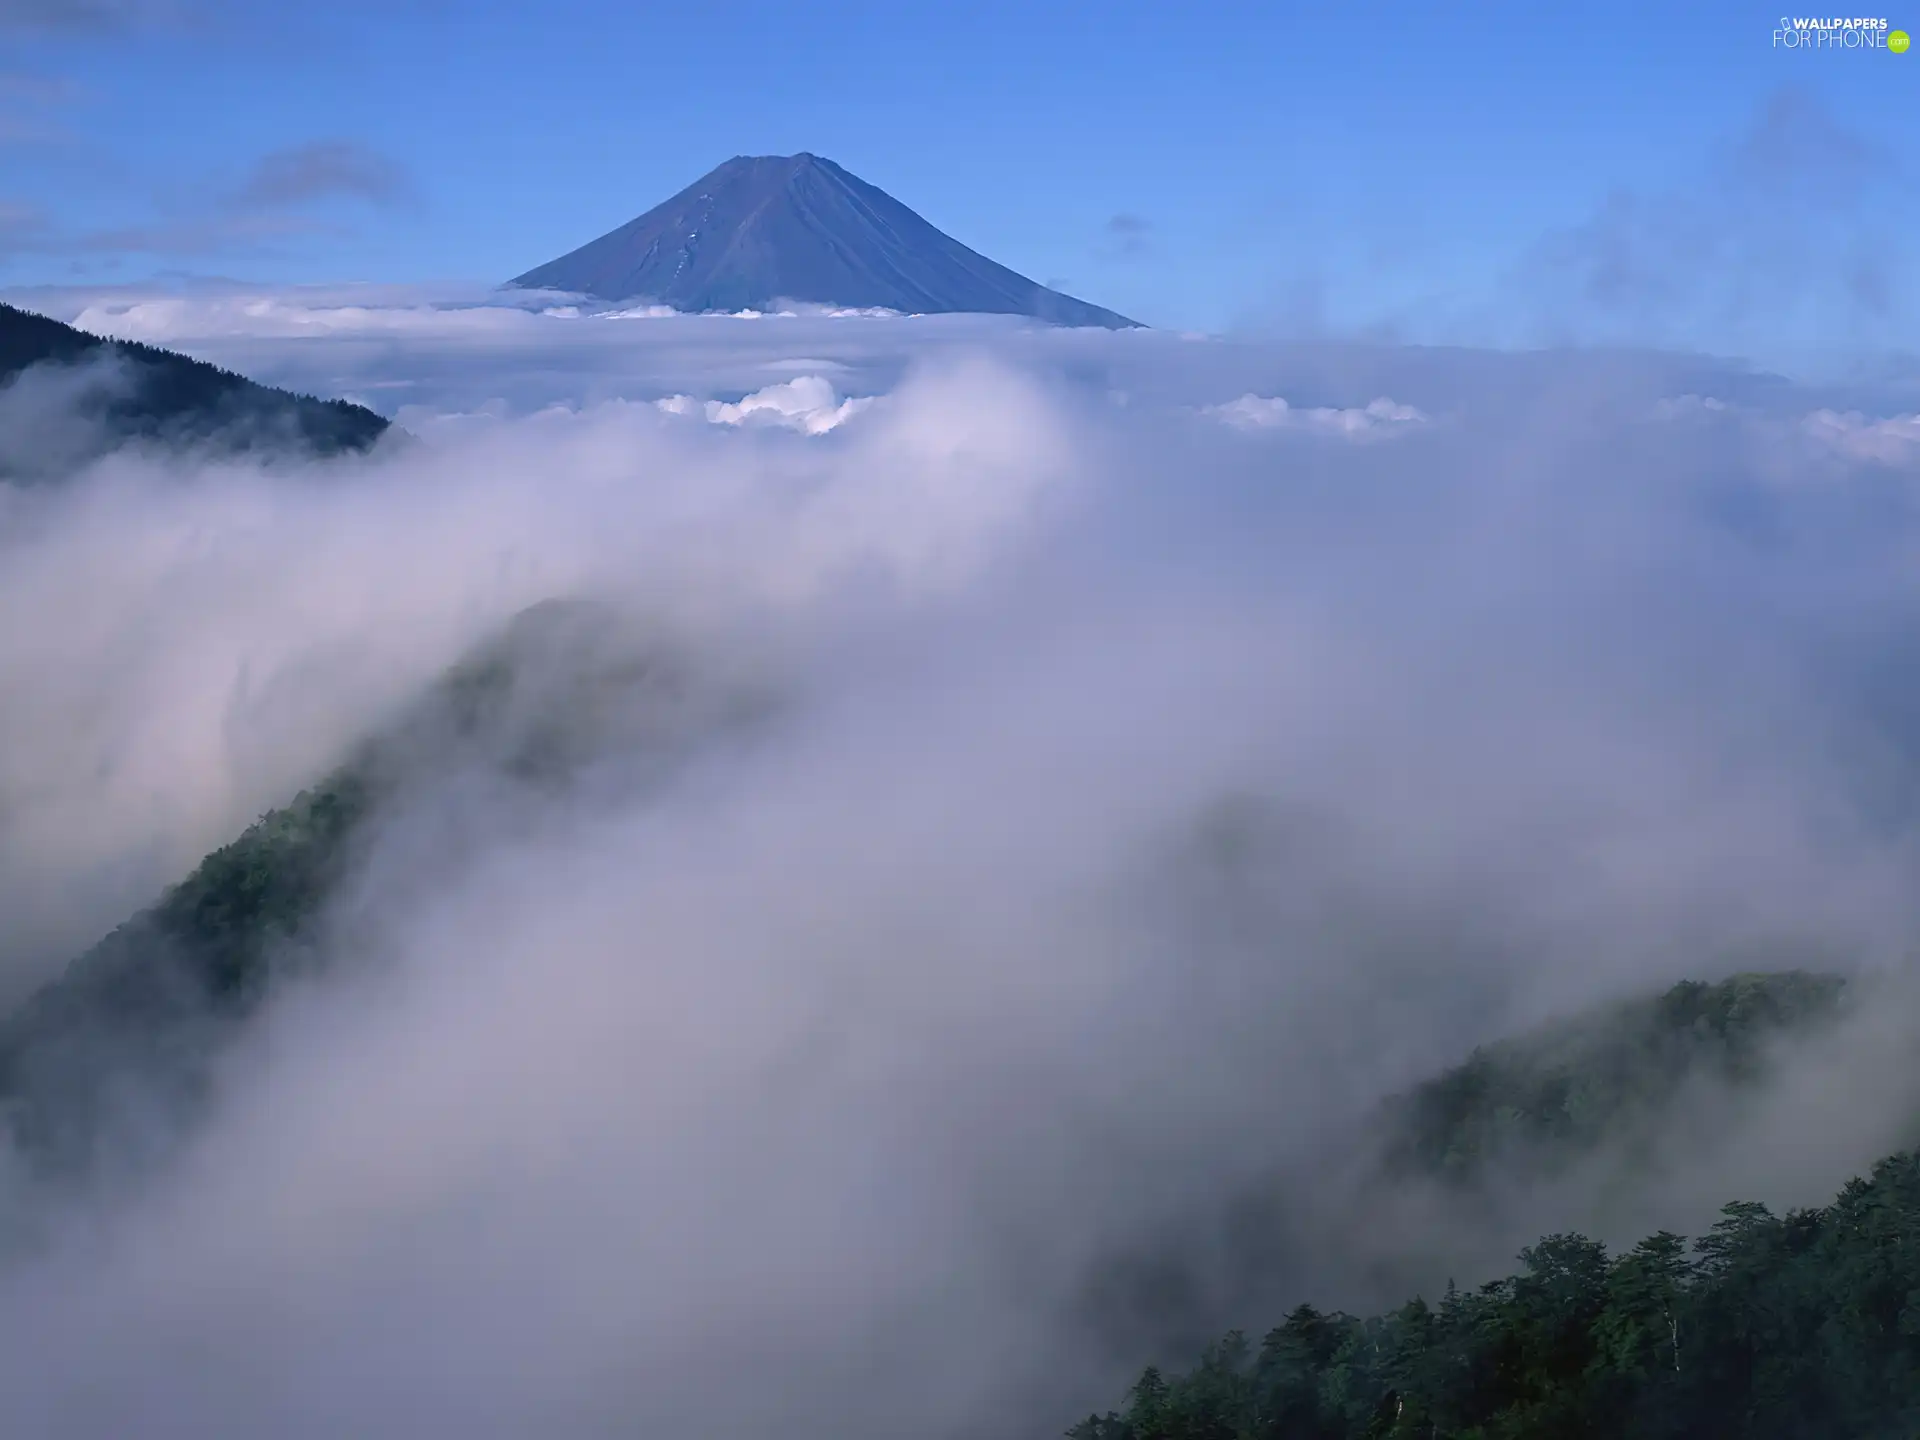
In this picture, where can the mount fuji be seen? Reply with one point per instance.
(762, 229)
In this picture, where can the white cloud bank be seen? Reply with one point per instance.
(808, 404)
(1364, 422)
(1893, 439)
(1849, 435)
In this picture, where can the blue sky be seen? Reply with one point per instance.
(1215, 166)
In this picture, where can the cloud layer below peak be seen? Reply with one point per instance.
(1049, 817)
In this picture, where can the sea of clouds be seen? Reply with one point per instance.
(808, 1086)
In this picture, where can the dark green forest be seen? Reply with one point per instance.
(109, 1057)
(1804, 1326)
(1800, 1325)
(131, 1028)
(1536, 1103)
(158, 395)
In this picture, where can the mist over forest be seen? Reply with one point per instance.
(851, 878)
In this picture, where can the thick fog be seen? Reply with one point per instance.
(1096, 769)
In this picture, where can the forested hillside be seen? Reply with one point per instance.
(125, 1037)
(1536, 1102)
(1767, 1328)
(130, 1030)
(121, 390)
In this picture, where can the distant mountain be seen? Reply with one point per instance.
(123, 390)
(766, 228)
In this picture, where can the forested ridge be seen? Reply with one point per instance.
(1798, 1325)
(160, 395)
(134, 1024)
(1537, 1102)
(1806, 1324)
(1768, 1327)
(118, 1047)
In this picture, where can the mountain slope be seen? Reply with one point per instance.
(1574, 1121)
(107, 1063)
(122, 1042)
(123, 390)
(1772, 1328)
(766, 228)
(1539, 1101)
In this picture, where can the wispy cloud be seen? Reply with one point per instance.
(1890, 439)
(1126, 236)
(1360, 422)
(23, 87)
(324, 170)
(91, 16)
(215, 235)
(1798, 227)
(31, 106)
(285, 196)
(20, 222)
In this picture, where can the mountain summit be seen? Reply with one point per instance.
(766, 228)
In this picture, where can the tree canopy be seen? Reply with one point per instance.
(1769, 1327)
(142, 392)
